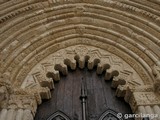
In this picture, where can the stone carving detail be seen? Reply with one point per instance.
(156, 73)
(141, 96)
(43, 80)
(79, 10)
(47, 71)
(50, 67)
(146, 98)
(15, 98)
(4, 96)
(5, 90)
(23, 72)
(23, 102)
(80, 30)
(24, 99)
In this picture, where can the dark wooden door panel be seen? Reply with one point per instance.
(65, 97)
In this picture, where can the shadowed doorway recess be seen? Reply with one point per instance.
(101, 102)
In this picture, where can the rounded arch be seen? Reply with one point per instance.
(124, 76)
(110, 28)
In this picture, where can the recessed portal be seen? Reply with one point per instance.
(66, 97)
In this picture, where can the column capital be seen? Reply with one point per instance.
(142, 96)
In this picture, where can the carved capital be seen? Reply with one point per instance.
(40, 93)
(141, 96)
(143, 99)
(156, 73)
(21, 99)
(4, 96)
(5, 90)
(5, 81)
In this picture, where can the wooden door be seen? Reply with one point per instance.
(65, 103)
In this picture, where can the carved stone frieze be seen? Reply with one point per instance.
(146, 98)
(22, 99)
(39, 57)
(4, 96)
(79, 10)
(125, 79)
(141, 96)
(58, 62)
(143, 99)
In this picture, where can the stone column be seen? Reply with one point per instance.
(27, 115)
(10, 114)
(19, 115)
(3, 114)
(145, 96)
(148, 110)
(141, 109)
(156, 110)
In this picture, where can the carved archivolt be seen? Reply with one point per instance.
(125, 78)
(132, 30)
(37, 84)
(48, 69)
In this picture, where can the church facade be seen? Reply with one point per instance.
(40, 40)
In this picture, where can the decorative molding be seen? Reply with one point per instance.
(41, 79)
(47, 71)
(117, 5)
(141, 96)
(5, 90)
(23, 71)
(58, 62)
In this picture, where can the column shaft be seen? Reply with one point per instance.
(27, 115)
(156, 110)
(19, 115)
(10, 114)
(3, 114)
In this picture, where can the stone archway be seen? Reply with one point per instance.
(37, 84)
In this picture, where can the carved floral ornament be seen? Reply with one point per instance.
(40, 80)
